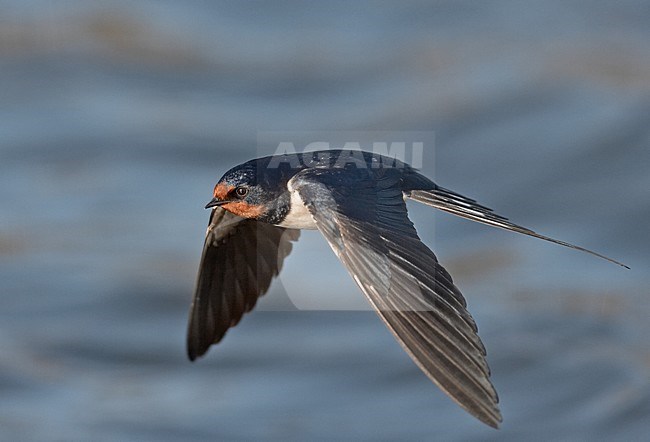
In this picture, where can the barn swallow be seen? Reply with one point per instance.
(357, 201)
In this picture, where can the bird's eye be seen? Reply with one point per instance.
(241, 192)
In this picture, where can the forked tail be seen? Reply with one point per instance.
(457, 204)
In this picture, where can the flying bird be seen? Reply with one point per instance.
(357, 201)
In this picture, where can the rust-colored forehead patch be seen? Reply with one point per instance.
(221, 190)
(245, 210)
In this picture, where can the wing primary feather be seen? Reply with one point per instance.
(240, 258)
(403, 281)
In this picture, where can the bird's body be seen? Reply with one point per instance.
(357, 201)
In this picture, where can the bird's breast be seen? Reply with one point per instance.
(298, 216)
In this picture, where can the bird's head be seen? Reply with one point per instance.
(247, 193)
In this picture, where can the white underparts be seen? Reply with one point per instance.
(299, 216)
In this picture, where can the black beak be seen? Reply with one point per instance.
(214, 203)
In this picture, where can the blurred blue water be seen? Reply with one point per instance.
(117, 119)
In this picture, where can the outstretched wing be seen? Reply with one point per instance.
(240, 258)
(459, 205)
(364, 219)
